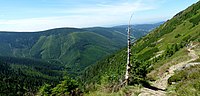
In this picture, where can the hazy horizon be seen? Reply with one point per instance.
(38, 15)
(85, 27)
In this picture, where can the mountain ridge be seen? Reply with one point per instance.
(57, 43)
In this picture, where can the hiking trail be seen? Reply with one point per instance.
(159, 86)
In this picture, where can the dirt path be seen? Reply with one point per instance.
(162, 82)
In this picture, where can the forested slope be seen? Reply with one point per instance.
(72, 47)
(22, 76)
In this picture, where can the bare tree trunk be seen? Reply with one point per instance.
(129, 65)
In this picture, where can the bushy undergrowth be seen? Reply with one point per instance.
(68, 87)
(187, 82)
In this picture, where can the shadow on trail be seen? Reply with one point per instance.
(153, 88)
(147, 85)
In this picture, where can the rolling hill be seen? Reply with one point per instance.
(69, 46)
(75, 48)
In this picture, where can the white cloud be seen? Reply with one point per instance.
(101, 15)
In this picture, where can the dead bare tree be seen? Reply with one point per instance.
(128, 65)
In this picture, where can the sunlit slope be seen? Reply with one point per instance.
(153, 50)
(71, 47)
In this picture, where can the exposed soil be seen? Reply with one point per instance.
(159, 86)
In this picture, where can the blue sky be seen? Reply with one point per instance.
(35, 15)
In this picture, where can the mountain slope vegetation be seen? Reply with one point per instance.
(72, 47)
(152, 55)
(30, 60)
(69, 46)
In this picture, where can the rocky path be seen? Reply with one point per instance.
(160, 85)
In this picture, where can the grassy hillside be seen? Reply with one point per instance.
(151, 53)
(186, 82)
